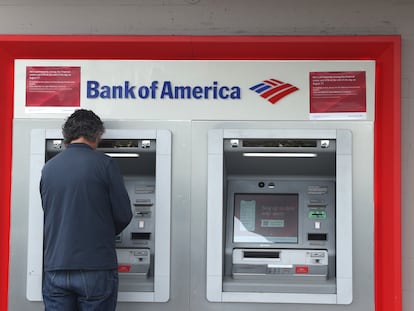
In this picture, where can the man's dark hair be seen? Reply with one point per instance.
(82, 123)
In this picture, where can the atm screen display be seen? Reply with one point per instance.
(266, 218)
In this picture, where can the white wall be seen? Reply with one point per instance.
(243, 17)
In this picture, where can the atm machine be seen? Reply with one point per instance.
(143, 247)
(279, 216)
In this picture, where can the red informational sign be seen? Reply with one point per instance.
(52, 86)
(332, 92)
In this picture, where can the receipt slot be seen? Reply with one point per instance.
(143, 247)
(279, 216)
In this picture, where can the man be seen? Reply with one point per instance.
(85, 206)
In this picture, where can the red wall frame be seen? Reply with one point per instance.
(385, 50)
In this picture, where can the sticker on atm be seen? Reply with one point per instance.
(317, 214)
(301, 269)
(124, 268)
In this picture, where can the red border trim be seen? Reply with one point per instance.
(385, 50)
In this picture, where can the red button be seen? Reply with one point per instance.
(124, 268)
(302, 269)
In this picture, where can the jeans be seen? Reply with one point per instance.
(80, 290)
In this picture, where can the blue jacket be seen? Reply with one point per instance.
(85, 206)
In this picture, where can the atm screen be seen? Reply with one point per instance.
(266, 218)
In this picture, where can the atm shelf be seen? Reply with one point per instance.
(288, 286)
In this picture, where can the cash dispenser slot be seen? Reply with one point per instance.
(259, 254)
(317, 237)
(143, 203)
(140, 235)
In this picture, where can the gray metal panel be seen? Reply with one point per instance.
(344, 199)
(214, 216)
(188, 216)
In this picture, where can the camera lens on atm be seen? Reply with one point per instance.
(261, 184)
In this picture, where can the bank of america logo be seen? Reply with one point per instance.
(273, 90)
